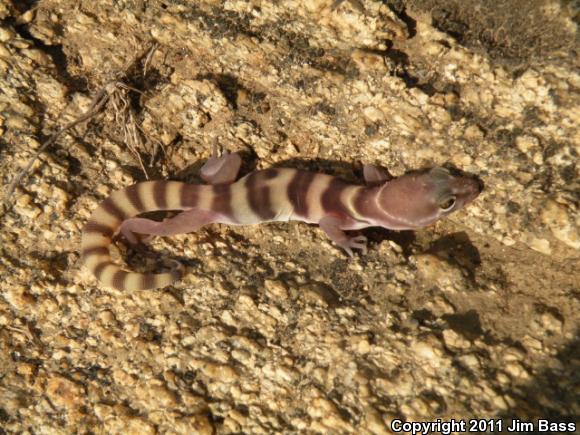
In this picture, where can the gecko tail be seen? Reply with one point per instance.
(106, 221)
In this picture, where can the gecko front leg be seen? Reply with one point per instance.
(333, 225)
(375, 175)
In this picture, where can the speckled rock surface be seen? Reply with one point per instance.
(273, 329)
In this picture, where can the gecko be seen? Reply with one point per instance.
(411, 201)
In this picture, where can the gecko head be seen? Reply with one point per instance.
(419, 199)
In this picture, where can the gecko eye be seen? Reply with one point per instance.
(447, 203)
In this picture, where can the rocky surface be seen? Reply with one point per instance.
(273, 329)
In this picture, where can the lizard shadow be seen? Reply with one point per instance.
(458, 250)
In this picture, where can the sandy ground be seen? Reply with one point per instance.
(273, 329)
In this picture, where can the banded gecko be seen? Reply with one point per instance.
(414, 200)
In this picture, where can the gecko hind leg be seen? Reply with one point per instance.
(221, 169)
(185, 222)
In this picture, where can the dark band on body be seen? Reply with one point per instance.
(222, 199)
(258, 193)
(189, 195)
(298, 190)
(330, 200)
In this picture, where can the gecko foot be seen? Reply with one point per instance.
(331, 225)
(358, 242)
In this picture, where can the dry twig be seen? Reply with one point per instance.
(96, 106)
(116, 92)
(125, 119)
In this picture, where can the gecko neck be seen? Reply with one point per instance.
(374, 205)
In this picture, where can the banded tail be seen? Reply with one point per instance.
(123, 204)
